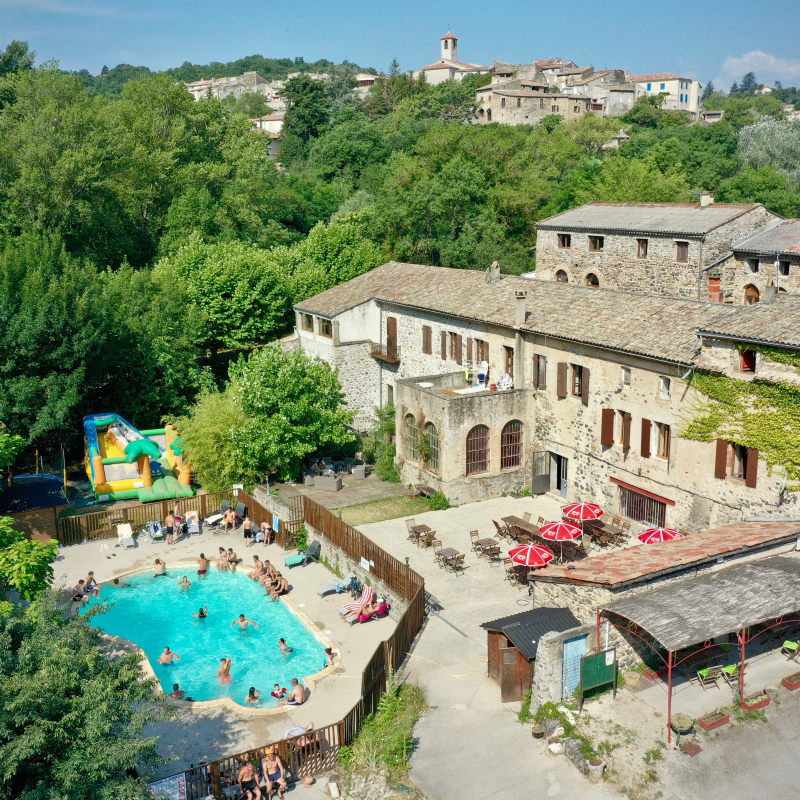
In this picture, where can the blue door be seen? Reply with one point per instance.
(574, 650)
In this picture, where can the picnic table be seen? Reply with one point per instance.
(603, 531)
(418, 530)
(518, 522)
(703, 659)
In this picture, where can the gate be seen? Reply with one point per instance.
(574, 650)
(541, 472)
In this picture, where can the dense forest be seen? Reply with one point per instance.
(141, 235)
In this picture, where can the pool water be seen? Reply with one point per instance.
(155, 613)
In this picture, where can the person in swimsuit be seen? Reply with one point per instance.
(278, 692)
(244, 622)
(280, 586)
(176, 514)
(120, 585)
(267, 533)
(364, 608)
(91, 585)
(267, 579)
(79, 592)
(165, 659)
(258, 571)
(248, 780)
(252, 695)
(328, 657)
(202, 565)
(201, 613)
(230, 520)
(185, 583)
(247, 530)
(222, 560)
(297, 696)
(285, 649)
(233, 559)
(224, 671)
(160, 568)
(169, 524)
(274, 772)
(176, 693)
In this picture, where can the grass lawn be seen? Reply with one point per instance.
(387, 508)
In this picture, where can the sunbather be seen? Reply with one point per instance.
(365, 608)
(274, 773)
(229, 519)
(233, 559)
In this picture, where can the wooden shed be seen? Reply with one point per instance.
(512, 647)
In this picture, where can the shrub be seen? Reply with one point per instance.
(439, 502)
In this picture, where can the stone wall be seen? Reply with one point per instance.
(742, 267)
(547, 673)
(528, 108)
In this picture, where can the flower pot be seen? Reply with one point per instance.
(715, 720)
(651, 674)
(537, 731)
(755, 701)
(596, 767)
(792, 682)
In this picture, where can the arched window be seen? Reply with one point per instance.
(489, 114)
(511, 445)
(592, 281)
(433, 442)
(562, 277)
(478, 450)
(411, 437)
(751, 295)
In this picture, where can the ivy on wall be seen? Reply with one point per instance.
(761, 414)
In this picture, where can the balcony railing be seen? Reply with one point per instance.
(386, 352)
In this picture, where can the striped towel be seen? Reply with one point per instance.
(366, 597)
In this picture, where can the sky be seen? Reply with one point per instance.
(715, 40)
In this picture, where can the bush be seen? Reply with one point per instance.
(439, 502)
(301, 537)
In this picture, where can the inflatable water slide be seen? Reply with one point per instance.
(123, 462)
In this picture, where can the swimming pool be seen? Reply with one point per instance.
(155, 613)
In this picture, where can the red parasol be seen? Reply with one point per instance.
(582, 511)
(530, 555)
(560, 531)
(656, 535)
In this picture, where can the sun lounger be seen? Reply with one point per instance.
(337, 587)
(383, 610)
(311, 553)
(154, 531)
(125, 536)
(366, 597)
(791, 650)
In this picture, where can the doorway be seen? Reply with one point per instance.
(549, 473)
(558, 471)
(574, 650)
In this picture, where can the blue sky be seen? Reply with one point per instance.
(716, 39)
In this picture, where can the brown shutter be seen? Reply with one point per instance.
(585, 387)
(607, 427)
(444, 345)
(469, 350)
(459, 348)
(626, 432)
(427, 344)
(542, 372)
(721, 462)
(561, 388)
(536, 372)
(752, 468)
(645, 438)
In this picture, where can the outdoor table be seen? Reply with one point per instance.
(704, 658)
(483, 545)
(419, 529)
(446, 553)
(611, 531)
(518, 522)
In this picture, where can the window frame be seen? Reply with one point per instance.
(325, 327)
(564, 241)
(512, 444)
(623, 371)
(663, 440)
(783, 268)
(664, 387)
(477, 460)
(412, 437)
(588, 282)
(576, 379)
(682, 248)
(433, 442)
(564, 273)
(307, 322)
(746, 356)
(594, 241)
(641, 248)
(508, 360)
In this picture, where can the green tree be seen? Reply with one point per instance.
(25, 566)
(708, 90)
(294, 406)
(251, 104)
(749, 83)
(625, 179)
(10, 445)
(551, 122)
(308, 108)
(773, 143)
(72, 715)
(767, 186)
(16, 57)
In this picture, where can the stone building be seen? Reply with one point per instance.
(671, 249)
(681, 94)
(597, 395)
(522, 102)
(252, 82)
(448, 67)
(611, 95)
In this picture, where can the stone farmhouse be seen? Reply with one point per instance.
(522, 102)
(252, 82)
(599, 387)
(672, 249)
(448, 67)
(682, 94)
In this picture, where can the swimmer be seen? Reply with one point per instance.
(224, 671)
(92, 585)
(202, 565)
(201, 613)
(285, 649)
(328, 657)
(244, 622)
(160, 568)
(176, 692)
(252, 695)
(185, 583)
(119, 585)
(79, 592)
(279, 692)
(166, 657)
(222, 560)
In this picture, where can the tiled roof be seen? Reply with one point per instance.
(658, 76)
(449, 35)
(684, 219)
(775, 323)
(31, 496)
(532, 93)
(656, 327)
(783, 238)
(527, 628)
(448, 64)
(641, 563)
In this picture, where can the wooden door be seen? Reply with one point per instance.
(541, 472)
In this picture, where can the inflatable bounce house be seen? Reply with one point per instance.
(123, 462)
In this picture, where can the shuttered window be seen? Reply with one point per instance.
(664, 440)
(469, 350)
(539, 372)
(459, 348)
(509, 359)
(645, 449)
(561, 382)
(626, 431)
(585, 387)
(607, 427)
(444, 345)
(427, 340)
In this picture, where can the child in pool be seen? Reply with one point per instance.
(279, 693)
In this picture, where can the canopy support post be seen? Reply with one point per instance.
(598, 628)
(742, 642)
(669, 698)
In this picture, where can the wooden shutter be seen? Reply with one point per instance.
(721, 461)
(607, 427)
(427, 340)
(536, 372)
(645, 438)
(541, 382)
(626, 432)
(585, 387)
(444, 345)
(459, 348)
(561, 387)
(469, 350)
(752, 468)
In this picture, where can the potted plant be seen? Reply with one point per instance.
(792, 682)
(596, 765)
(714, 720)
(651, 674)
(538, 731)
(755, 701)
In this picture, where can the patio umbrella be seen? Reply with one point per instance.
(655, 535)
(530, 555)
(560, 532)
(582, 511)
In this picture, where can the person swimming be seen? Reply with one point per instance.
(201, 613)
(285, 649)
(244, 622)
(224, 671)
(252, 695)
(185, 583)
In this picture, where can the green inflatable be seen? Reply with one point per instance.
(141, 447)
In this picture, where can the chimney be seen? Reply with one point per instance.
(521, 296)
(493, 273)
(706, 199)
(770, 292)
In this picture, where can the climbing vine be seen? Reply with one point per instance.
(764, 415)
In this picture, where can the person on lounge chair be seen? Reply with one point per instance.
(365, 608)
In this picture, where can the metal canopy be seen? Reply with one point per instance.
(698, 609)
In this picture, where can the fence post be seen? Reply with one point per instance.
(203, 513)
(124, 516)
(216, 783)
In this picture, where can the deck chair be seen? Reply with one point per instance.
(493, 554)
(502, 530)
(226, 504)
(526, 516)
(311, 553)
(732, 675)
(240, 510)
(455, 564)
(193, 528)
(125, 536)
(410, 523)
(426, 539)
(436, 544)
(709, 676)
(154, 531)
(366, 597)
(383, 610)
(791, 650)
(337, 587)
(473, 537)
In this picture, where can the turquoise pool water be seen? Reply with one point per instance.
(155, 612)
